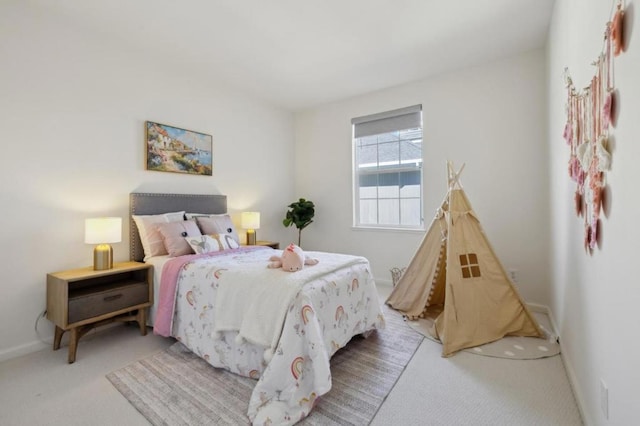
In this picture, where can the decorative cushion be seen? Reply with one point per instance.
(211, 243)
(173, 234)
(219, 224)
(148, 230)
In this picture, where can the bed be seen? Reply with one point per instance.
(227, 307)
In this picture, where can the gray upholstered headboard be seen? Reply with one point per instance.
(144, 204)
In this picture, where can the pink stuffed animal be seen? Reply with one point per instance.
(293, 259)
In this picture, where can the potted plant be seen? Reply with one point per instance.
(300, 214)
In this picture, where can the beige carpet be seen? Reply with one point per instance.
(175, 387)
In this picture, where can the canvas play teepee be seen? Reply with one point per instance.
(456, 278)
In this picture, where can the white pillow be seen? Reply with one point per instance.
(211, 243)
(150, 236)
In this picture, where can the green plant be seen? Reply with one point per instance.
(300, 214)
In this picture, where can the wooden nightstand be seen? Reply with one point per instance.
(82, 299)
(272, 244)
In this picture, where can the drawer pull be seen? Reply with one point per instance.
(112, 298)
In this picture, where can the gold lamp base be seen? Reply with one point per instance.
(251, 237)
(102, 257)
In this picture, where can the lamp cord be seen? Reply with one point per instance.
(50, 341)
(36, 328)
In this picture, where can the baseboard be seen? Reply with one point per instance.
(573, 380)
(25, 349)
(565, 357)
(384, 283)
(47, 343)
(536, 307)
(544, 309)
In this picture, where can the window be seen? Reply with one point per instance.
(469, 265)
(387, 175)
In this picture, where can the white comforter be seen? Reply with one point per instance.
(330, 306)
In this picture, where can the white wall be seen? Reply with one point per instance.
(596, 296)
(72, 113)
(492, 117)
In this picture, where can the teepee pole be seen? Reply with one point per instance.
(453, 176)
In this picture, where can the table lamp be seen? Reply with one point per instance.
(102, 231)
(250, 221)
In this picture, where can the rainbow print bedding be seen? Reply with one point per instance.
(323, 309)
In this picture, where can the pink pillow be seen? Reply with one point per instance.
(221, 225)
(148, 231)
(173, 234)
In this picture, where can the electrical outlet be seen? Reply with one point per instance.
(604, 399)
(513, 275)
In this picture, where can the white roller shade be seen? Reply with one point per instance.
(389, 121)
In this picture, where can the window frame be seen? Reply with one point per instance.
(375, 119)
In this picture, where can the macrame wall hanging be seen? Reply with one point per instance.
(590, 114)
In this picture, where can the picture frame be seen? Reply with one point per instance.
(176, 150)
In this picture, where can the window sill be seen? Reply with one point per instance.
(388, 229)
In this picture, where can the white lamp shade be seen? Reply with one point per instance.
(250, 220)
(103, 230)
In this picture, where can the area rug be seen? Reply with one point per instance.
(175, 387)
(512, 347)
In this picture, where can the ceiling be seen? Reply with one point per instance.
(301, 53)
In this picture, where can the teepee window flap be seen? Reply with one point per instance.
(469, 265)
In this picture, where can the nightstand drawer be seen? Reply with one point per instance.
(88, 304)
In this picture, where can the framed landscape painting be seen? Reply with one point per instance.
(172, 149)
